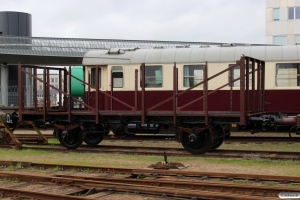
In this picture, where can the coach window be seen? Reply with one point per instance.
(153, 77)
(236, 74)
(117, 75)
(93, 79)
(192, 75)
(288, 75)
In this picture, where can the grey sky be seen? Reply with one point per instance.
(240, 21)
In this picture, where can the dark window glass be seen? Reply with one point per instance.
(117, 75)
(93, 78)
(153, 76)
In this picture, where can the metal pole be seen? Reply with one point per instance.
(175, 82)
(231, 85)
(97, 93)
(20, 93)
(69, 92)
(45, 93)
(205, 89)
(136, 89)
(35, 88)
(60, 88)
(258, 86)
(247, 86)
(253, 85)
(111, 89)
(242, 91)
(263, 85)
(143, 94)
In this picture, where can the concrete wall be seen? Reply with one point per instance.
(283, 27)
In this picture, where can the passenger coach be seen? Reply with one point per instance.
(198, 94)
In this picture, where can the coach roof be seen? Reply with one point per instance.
(191, 55)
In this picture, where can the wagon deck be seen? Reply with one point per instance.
(251, 97)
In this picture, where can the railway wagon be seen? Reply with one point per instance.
(198, 94)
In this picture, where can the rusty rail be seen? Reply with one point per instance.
(168, 187)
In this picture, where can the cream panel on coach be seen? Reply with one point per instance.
(103, 77)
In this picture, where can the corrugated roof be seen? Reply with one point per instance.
(193, 55)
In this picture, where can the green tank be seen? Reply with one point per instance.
(77, 88)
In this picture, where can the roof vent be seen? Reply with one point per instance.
(227, 45)
(115, 51)
(158, 47)
(186, 46)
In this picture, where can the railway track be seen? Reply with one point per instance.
(241, 139)
(170, 183)
(170, 151)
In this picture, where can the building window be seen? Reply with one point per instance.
(236, 74)
(56, 80)
(294, 13)
(297, 39)
(288, 74)
(93, 78)
(153, 77)
(192, 74)
(276, 14)
(279, 40)
(117, 75)
(41, 87)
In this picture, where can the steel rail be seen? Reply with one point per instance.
(172, 188)
(253, 190)
(37, 195)
(242, 139)
(159, 151)
(147, 172)
(176, 188)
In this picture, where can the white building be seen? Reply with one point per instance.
(283, 22)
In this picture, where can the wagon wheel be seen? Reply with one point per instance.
(219, 134)
(71, 139)
(94, 135)
(217, 143)
(196, 143)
